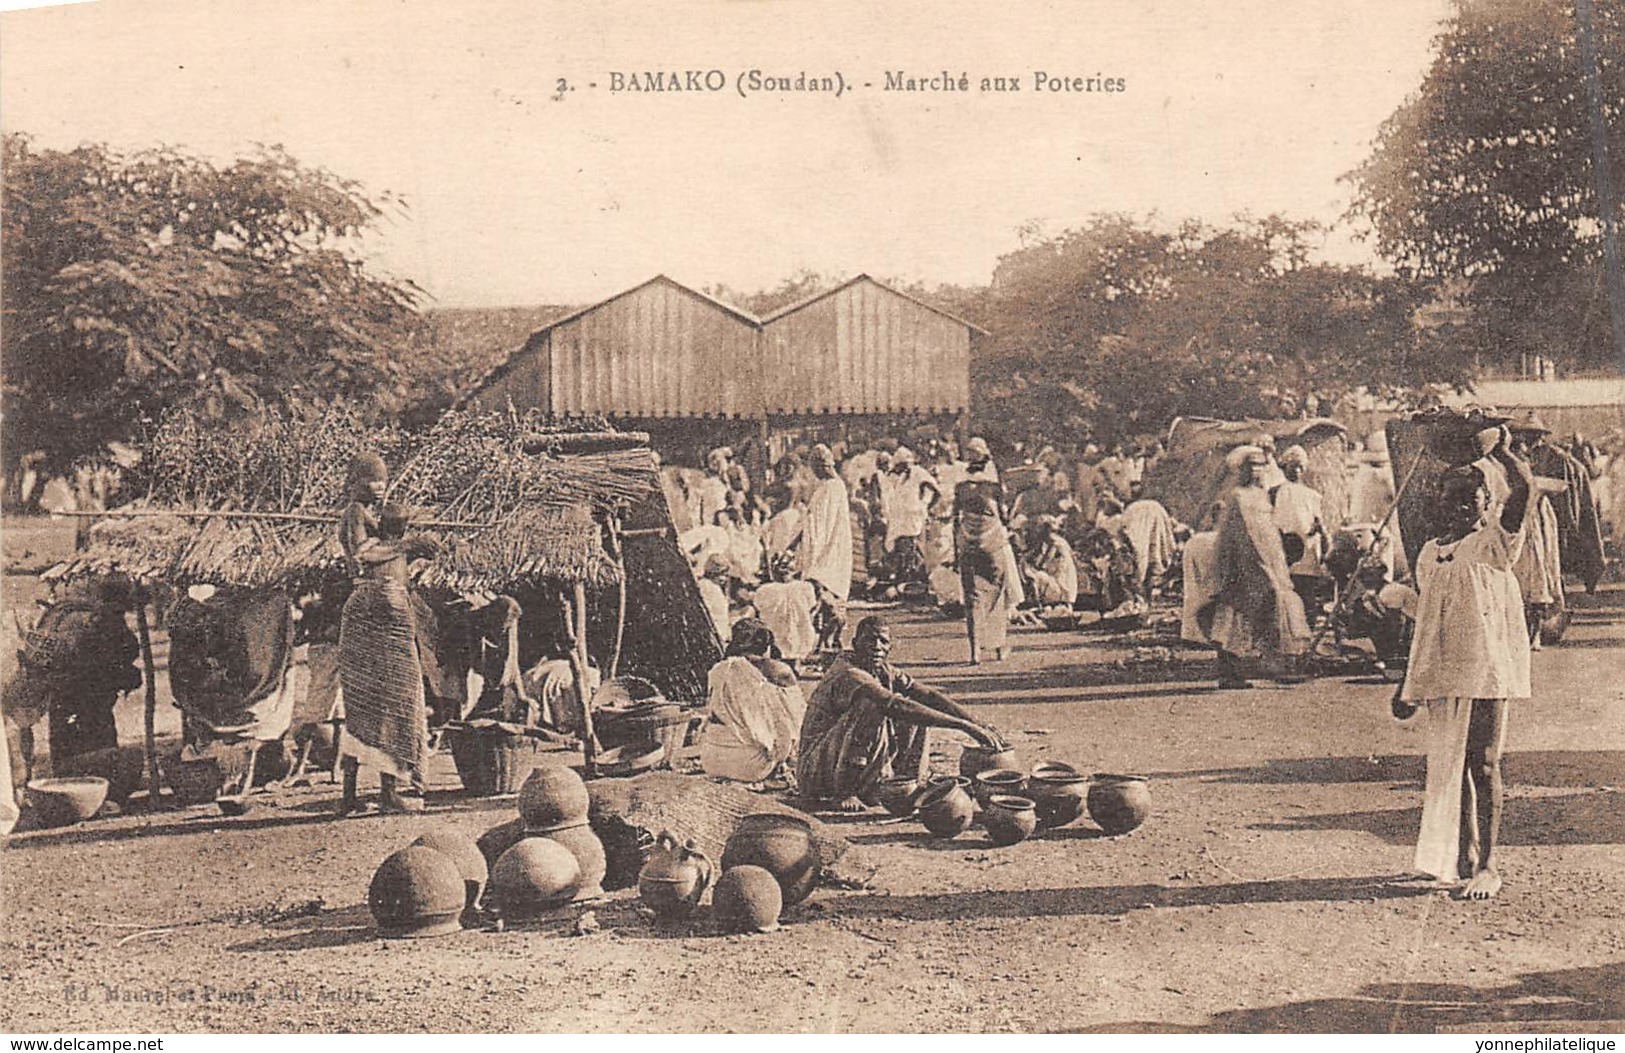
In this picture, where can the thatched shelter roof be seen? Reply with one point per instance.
(1192, 473)
(258, 506)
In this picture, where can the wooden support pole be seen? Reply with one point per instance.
(149, 668)
(617, 553)
(576, 611)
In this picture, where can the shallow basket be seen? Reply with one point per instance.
(491, 763)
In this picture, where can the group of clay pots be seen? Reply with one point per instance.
(769, 863)
(1012, 803)
(546, 858)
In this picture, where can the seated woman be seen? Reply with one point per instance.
(1051, 566)
(866, 722)
(755, 709)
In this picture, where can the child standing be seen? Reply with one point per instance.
(1469, 655)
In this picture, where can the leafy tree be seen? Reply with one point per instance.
(1115, 328)
(134, 282)
(1487, 174)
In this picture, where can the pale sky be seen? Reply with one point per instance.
(515, 198)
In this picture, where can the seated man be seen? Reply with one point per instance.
(1051, 566)
(866, 722)
(755, 709)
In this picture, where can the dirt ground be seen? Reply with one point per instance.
(1266, 893)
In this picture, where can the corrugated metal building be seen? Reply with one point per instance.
(865, 348)
(663, 350)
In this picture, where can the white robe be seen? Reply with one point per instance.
(1297, 510)
(787, 609)
(1201, 583)
(1470, 640)
(826, 539)
(905, 507)
(1150, 532)
(752, 724)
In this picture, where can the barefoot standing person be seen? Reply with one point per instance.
(1469, 655)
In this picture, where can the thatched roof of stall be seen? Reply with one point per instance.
(527, 496)
(1191, 474)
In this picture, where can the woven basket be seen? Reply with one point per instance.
(492, 762)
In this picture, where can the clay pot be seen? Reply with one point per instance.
(1009, 819)
(977, 759)
(63, 802)
(675, 877)
(533, 876)
(552, 798)
(1049, 769)
(996, 780)
(417, 892)
(897, 796)
(1119, 803)
(747, 899)
(946, 809)
(781, 845)
(1059, 798)
(465, 853)
(499, 839)
(589, 853)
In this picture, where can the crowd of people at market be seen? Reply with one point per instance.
(1052, 537)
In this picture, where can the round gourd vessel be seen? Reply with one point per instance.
(747, 899)
(534, 875)
(781, 845)
(416, 892)
(552, 798)
(499, 839)
(589, 853)
(1059, 798)
(463, 851)
(997, 780)
(897, 796)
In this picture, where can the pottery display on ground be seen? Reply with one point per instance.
(946, 809)
(463, 851)
(533, 876)
(675, 878)
(1119, 803)
(417, 892)
(552, 798)
(747, 899)
(780, 844)
(985, 784)
(976, 759)
(589, 853)
(1050, 769)
(1009, 819)
(1058, 797)
(897, 796)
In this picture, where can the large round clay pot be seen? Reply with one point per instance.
(552, 798)
(1059, 798)
(997, 780)
(1009, 819)
(589, 853)
(417, 892)
(65, 801)
(747, 899)
(1119, 803)
(675, 877)
(499, 839)
(463, 851)
(976, 759)
(533, 876)
(946, 809)
(779, 844)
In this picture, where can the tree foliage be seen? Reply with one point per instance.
(139, 281)
(1116, 327)
(1487, 174)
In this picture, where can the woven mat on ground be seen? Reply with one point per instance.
(706, 812)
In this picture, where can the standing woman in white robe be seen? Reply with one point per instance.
(1469, 655)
